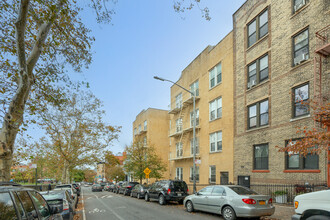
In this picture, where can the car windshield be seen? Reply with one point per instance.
(63, 186)
(52, 196)
(242, 190)
(54, 202)
(97, 185)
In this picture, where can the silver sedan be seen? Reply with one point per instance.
(230, 201)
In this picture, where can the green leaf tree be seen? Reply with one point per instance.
(139, 156)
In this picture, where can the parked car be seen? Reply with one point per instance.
(230, 201)
(167, 190)
(73, 196)
(126, 188)
(62, 200)
(28, 203)
(118, 185)
(77, 187)
(107, 186)
(312, 206)
(112, 187)
(139, 191)
(97, 187)
(69, 186)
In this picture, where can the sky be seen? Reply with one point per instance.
(148, 38)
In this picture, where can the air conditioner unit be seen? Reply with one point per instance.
(297, 7)
(300, 58)
(253, 83)
(249, 85)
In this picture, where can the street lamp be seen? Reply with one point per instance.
(194, 127)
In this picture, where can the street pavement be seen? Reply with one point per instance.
(108, 205)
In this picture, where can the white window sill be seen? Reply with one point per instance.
(214, 152)
(299, 118)
(258, 128)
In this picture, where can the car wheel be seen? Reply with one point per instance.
(189, 206)
(146, 197)
(228, 213)
(318, 217)
(161, 200)
(131, 194)
(138, 196)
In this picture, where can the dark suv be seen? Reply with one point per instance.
(17, 202)
(167, 190)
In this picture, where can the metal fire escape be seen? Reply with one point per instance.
(322, 52)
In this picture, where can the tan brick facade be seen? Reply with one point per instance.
(199, 69)
(151, 126)
(283, 25)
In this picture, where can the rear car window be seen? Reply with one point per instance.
(242, 190)
(41, 205)
(179, 185)
(7, 209)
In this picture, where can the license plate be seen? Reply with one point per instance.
(262, 202)
(179, 194)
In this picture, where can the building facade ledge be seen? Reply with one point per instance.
(301, 171)
(299, 118)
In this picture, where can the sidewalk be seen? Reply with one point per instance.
(283, 212)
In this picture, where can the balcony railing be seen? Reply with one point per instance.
(323, 44)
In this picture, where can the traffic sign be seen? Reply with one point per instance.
(147, 171)
(147, 176)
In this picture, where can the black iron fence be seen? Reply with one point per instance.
(281, 193)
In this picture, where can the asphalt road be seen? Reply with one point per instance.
(107, 205)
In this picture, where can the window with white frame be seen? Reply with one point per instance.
(179, 149)
(178, 101)
(212, 174)
(145, 141)
(135, 131)
(179, 173)
(300, 47)
(215, 109)
(145, 125)
(197, 118)
(257, 28)
(139, 128)
(216, 141)
(194, 88)
(192, 173)
(192, 146)
(178, 124)
(215, 75)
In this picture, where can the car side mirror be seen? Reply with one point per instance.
(198, 194)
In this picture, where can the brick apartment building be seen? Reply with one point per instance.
(275, 68)
(210, 77)
(151, 127)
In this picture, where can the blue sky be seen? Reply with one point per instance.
(148, 38)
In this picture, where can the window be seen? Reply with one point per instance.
(197, 118)
(257, 28)
(145, 125)
(7, 207)
(218, 191)
(139, 128)
(224, 178)
(179, 173)
(296, 161)
(178, 124)
(300, 100)
(258, 114)
(297, 4)
(300, 47)
(191, 146)
(179, 150)
(145, 141)
(206, 191)
(27, 204)
(215, 109)
(195, 88)
(212, 176)
(135, 131)
(41, 205)
(191, 174)
(216, 141)
(178, 101)
(257, 71)
(215, 75)
(260, 159)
